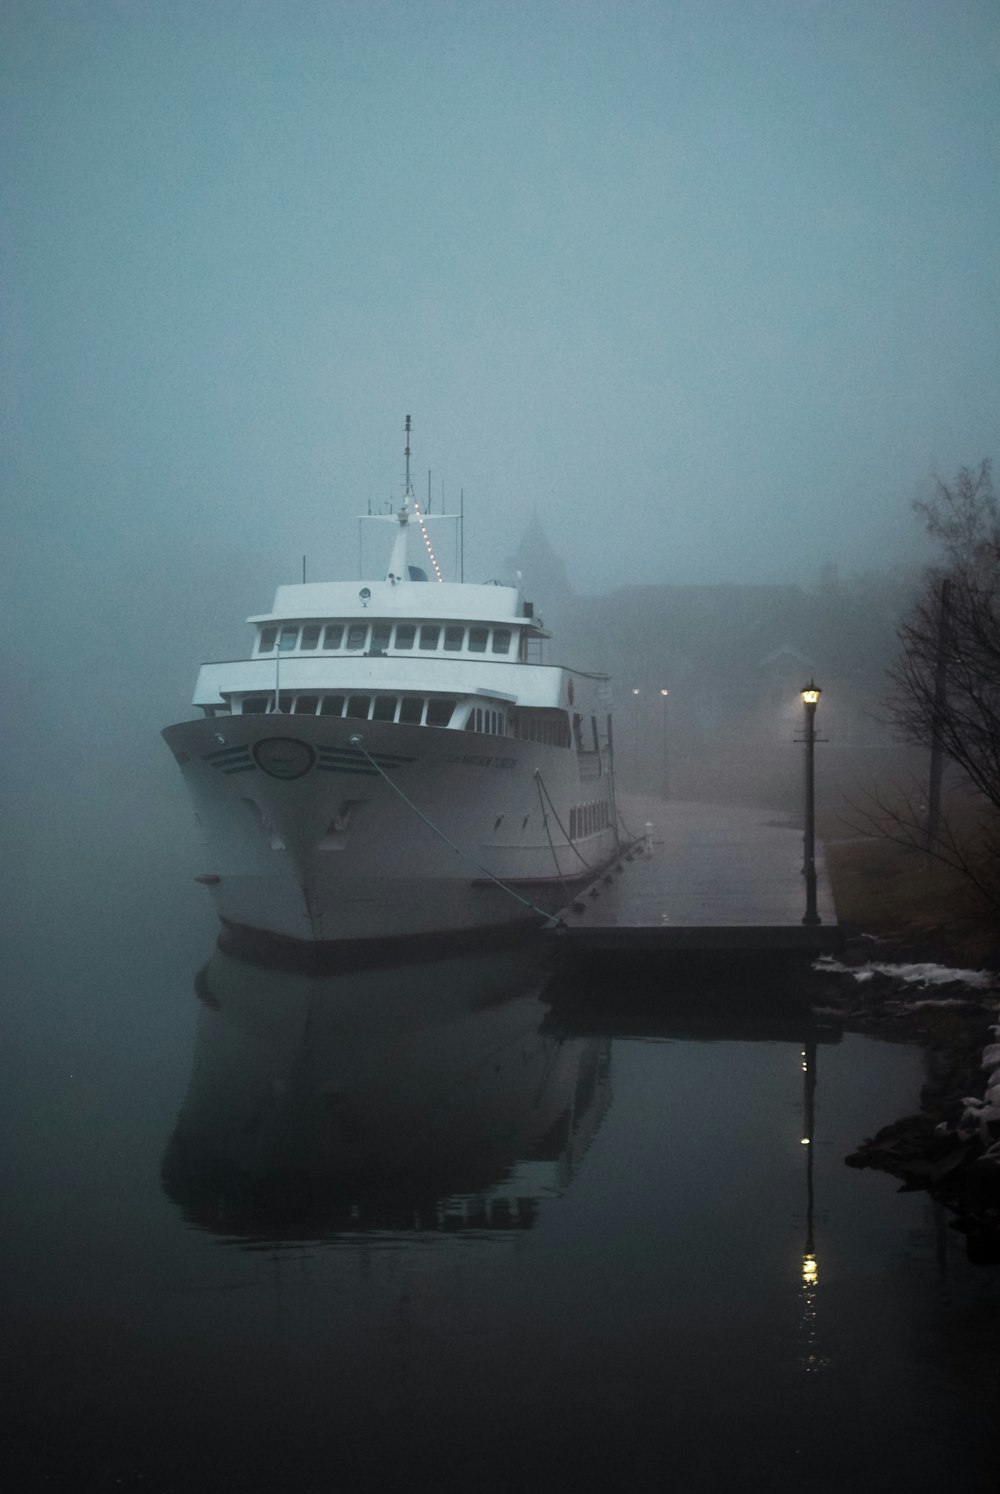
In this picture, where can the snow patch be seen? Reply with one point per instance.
(915, 975)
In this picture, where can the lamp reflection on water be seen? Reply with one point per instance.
(811, 1359)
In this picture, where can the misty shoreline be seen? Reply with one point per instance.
(950, 1148)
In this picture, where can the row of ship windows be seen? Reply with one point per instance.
(412, 710)
(539, 725)
(588, 819)
(377, 637)
(409, 710)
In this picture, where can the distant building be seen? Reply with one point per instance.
(733, 660)
(543, 572)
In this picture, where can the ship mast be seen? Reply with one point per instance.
(399, 563)
(399, 566)
(407, 490)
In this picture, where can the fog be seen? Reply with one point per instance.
(711, 289)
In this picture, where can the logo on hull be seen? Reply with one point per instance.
(283, 757)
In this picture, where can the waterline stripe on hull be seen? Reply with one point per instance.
(222, 753)
(352, 752)
(231, 760)
(330, 757)
(347, 768)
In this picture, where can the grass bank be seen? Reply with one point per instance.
(903, 896)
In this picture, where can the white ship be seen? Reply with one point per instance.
(393, 760)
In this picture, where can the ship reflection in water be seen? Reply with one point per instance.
(425, 1096)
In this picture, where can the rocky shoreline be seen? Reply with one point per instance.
(951, 1147)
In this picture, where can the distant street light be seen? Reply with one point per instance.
(664, 695)
(810, 699)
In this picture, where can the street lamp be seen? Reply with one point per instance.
(666, 747)
(810, 699)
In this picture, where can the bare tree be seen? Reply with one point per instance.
(964, 516)
(945, 686)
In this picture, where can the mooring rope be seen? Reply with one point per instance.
(619, 817)
(614, 802)
(542, 789)
(356, 741)
(548, 836)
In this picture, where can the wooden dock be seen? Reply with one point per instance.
(714, 878)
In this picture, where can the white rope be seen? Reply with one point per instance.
(356, 741)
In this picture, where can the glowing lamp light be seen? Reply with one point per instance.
(636, 692)
(664, 692)
(811, 694)
(806, 1140)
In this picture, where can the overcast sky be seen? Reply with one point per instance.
(713, 283)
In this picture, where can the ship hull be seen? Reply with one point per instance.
(336, 832)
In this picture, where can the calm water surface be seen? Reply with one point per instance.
(416, 1228)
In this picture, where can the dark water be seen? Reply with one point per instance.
(416, 1228)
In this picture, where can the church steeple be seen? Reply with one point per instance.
(543, 571)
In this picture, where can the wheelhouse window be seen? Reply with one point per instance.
(358, 707)
(356, 635)
(333, 637)
(254, 705)
(439, 712)
(501, 640)
(384, 708)
(283, 705)
(310, 636)
(267, 637)
(405, 635)
(430, 634)
(305, 705)
(332, 705)
(381, 633)
(477, 640)
(454, 639)
(544, 724)
(287, 639)
(411, 709)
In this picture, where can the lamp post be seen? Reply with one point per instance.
(810, 699)
(664, 694)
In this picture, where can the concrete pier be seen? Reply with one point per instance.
(717, 878)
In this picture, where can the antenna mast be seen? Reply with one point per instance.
(407, 493)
